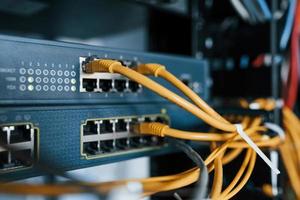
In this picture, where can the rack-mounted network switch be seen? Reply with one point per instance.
(45, 72)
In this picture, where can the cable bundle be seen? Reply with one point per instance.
(227, 142)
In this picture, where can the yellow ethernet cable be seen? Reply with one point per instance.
(162, 130)
(113, 66)
(289, 149)
(218, 174)
(238, 175)
(160, 71)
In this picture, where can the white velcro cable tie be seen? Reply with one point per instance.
(241, 132)
(277, 129)
(254, 106)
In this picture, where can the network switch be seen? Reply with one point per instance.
(74, 137)
(77, 119)
(45, 72)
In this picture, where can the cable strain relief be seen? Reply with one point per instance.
(153, 128)
(150, 69)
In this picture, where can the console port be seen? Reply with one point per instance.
(134, 86)
(121, 126)
(122, 143)
(3, 159)
(120, 85)
(90, 128)
(106, 127)
(89, 84)
(105, 85)
(21, 158)
(107, 146)
(21, 133)
(90, 147)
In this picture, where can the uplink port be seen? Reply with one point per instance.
(105, 85)
(120, 125)
(106, 127)
(120, 85)
(90, 147)
(21, 133)
(107, 145)
(90, 128)
(89, 84)
(3, 159)
(21, 158)
(134, 86)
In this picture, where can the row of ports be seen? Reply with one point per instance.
(120, 145)
(115, 135)
(22, 147)
(110, 85)
(106, 126)
(125, 62)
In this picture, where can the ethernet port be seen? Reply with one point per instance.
(3, 159)
(136, 141)
(161, 120)
(107, 146)
(147, 119)
(122, 143)
(186, 81)
(152, 140)
(90, 128)
(129, 63)
(121, 125)
(134, 86)
(20, 133)
(105, 85)
(21, 158)
(3, 136)
(106, 127)
(90, 147)
(133, 122)
(120, 85)
(89, 84)
(149, 140)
